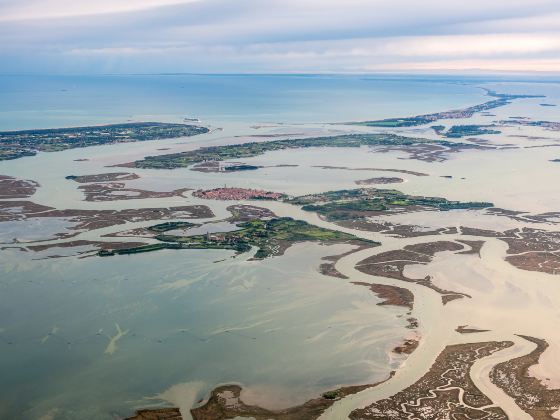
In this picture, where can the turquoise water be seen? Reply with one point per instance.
(188, 319)
(55, 101)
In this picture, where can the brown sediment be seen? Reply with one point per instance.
(107, 177)
(225, 167)
(521, 216)
(379, 180)
(117, 191)
(391, 264)
(548, 125)
(328, 268)
(412, 323)
(546, 262)
(445, 299)
(533, 250)
(528, 137)
(430, 152)
(157, 414)
(11, 187)
(225, 403)
(131, 233)
(95, 219)
(431, 248)
(407, 347)
(20, 210)
(529, 393)
(533, 240)
(528, 249)
(476, 246)
(437, 396)
(395, 230)
(95, 244)
(210, 166)
(402, 171)
(391, 295)
(463, 329)
(469, 231)
(245, 213)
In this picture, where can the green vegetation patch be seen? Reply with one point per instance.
(331, 395)
(167, 226)
(271, 237)
(16, 144)
(396, 122)
(247, 150)
(363, 202)
(458, 131)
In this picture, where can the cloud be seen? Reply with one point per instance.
(274, 35)
(56, 9)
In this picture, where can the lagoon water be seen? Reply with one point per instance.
(185, 320)
(97, 338)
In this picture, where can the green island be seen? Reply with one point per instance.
(439, 129)
(246, 150)
(363, 202)
(550, 125)
(501, 100)
(458, 131)
(167, 226)
(271, 237)
(240, 167)
(17, 144)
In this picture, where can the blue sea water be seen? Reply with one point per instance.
(57, 101)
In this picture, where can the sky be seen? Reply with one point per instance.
(279, 36)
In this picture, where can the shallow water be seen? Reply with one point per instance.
(93, 338)
(183, 318)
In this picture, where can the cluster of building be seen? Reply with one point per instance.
(237, 194)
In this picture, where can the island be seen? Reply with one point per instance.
(445, 391)
(458, 131)
(530, 394)
(362, 202)
(416, 146)
(549, 125)
(11, 187)
(271, 237)
(17, 144)
(379, 180)
(237, 194)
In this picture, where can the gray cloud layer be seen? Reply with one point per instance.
(278, 36)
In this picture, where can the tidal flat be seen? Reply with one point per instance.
(349, 298)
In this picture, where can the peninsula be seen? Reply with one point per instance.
(17, 144)
(501, 99)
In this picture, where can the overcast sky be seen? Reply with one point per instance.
(281, 36)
